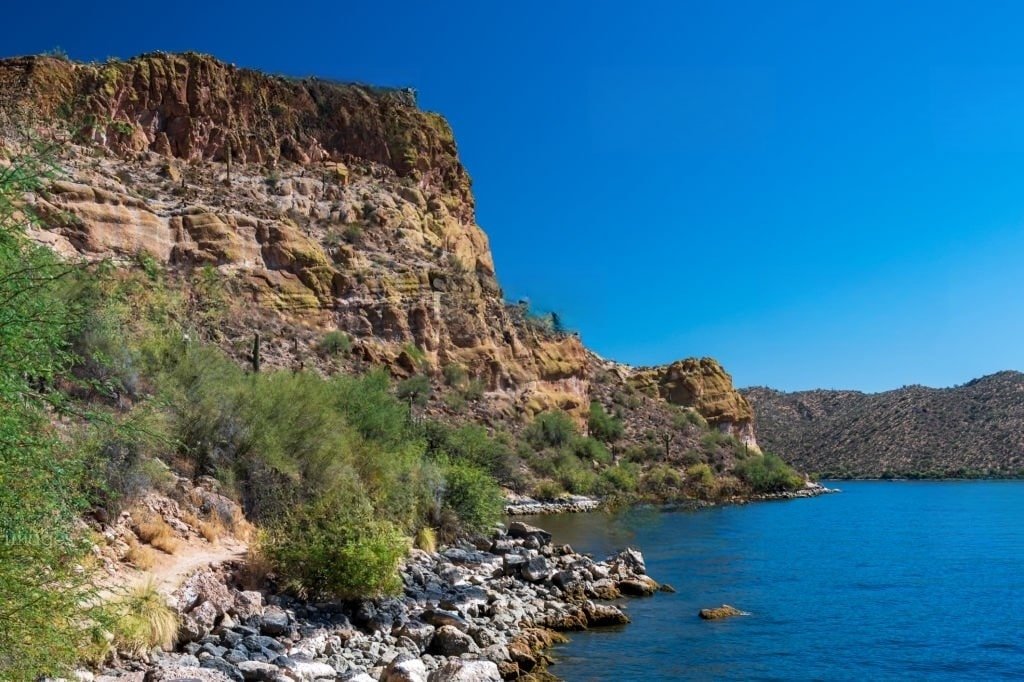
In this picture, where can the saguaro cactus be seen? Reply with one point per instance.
(256, 353)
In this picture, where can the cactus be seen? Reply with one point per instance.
(256, 353)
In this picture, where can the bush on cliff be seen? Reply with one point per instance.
(602, 425)
(550, 429)
(768, 474)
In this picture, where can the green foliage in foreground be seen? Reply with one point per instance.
(602, 425)
(768, 474)
(43, 583)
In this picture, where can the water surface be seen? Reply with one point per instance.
(910, 580)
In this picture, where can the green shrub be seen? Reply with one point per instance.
(661, 479)
(687, 417)
(550, 429)
(621, 478)
(474, 390)
(548, 490)
(701, 475)
(602, 425)
(336, 343)
(454, 375)
(768, 474)
(334, 549)
(415, 390)
(473, 495)
(590, 450)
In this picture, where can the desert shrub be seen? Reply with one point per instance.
(473, 495)
(472, 444)
(548, 490)
(701, 475)
(143, 620)
(474, 390)
(715, 438)
(661, 479)
(454, 375)
(455, 401)
(768, 474)
(550, 429)
(621, 478)
(691, 457)
(590, 450)
(602, 425)
(415, 390)
(335, 343)
(688, 417)
(331, 548)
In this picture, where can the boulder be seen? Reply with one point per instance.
(717, 613)
(248, 603)
(177, 673)
(418, 632)
(536, 570)
(220, 665)
(257, 670)
(440, 618)
(604, 614)
(450, 641)
(640, 586)
(405, 668)
(512, 564)
(274, 621)
(524, 531)
(466, 671)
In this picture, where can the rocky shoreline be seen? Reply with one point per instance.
(527, 506)
(479, 611)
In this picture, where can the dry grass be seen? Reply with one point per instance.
(154, 531)
(212, 529)
(143, 620)
(140, 556)
(426, 539)
(253, 574)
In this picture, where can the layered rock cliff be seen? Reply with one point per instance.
(320, 206)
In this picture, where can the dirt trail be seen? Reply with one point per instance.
(171, 570)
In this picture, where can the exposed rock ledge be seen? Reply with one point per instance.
(522, 506)
(483, 611)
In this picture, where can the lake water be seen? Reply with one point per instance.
(908, 580)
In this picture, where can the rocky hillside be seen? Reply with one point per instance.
(976, 429)
(323, 208)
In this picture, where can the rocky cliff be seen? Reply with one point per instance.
(976, 429)
(320, 207)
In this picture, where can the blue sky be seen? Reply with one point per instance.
(818, 194)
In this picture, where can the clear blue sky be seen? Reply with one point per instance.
(819, 194)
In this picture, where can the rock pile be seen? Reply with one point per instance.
(476, 611)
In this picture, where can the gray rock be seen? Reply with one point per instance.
(439, 618)
(405, 668)
(520, 530)
(450, 641)
(222, 666)
(418, 632)
(536, 570)
(256, 670)
(455, 670)
(274, 621)
(175, 673)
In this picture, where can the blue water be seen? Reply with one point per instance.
(887, 580)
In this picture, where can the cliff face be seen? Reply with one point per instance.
(972, 430)
(323, 206)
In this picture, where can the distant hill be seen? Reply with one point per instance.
(976, 429)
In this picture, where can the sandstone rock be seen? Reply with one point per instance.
(723, 611)
(604, 614)
(640, 586)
